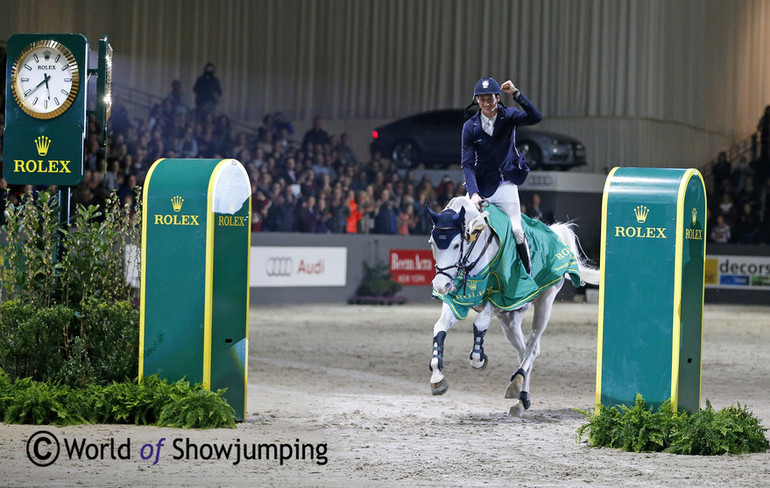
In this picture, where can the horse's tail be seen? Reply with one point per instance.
(589, 273)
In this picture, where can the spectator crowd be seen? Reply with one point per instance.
(317, 183)
(739, 201)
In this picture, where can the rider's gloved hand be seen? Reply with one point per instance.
(477, 200)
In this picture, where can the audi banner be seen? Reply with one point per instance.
(298, 266)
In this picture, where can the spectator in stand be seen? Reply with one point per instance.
(726, 207)
(267, 127)
(286, 212)
(259, 208)
(721, 171)
(406, 220)
(223, 138)
(180, 102)
(316, 135)
(423, 224)
(207, 92)
(764, 202)
(345, 154)
(339, 211)
(721, 232)
(280, 122)
(119, 121)
(354, 215)
(366, 207)
(307, 214)
(188, 146)
(747, 225)
(385, 221)
(323, 217)
(740, 175)
(536, 212)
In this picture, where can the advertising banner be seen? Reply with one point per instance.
(298, 266)
(738, 272)
(412, 267)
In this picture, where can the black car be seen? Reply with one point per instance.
(434, 139)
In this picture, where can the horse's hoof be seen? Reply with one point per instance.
(439, 388)
(517, 410)
(480, 365)
(514, 387)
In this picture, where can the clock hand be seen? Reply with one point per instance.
(46, 78)
(38, 86)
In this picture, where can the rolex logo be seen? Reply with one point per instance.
(641, 213)
(472, 285)
(694, 215)
(42, 144)
(177, 202)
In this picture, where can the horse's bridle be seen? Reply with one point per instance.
(462, 262)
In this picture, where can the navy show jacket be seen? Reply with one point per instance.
(489, 160)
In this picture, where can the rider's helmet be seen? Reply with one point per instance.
(486, 86)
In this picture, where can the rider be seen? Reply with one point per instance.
(491, 164)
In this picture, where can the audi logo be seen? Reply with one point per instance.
(539, 180)
(281, 266)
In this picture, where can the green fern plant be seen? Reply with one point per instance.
(732, 430)
(200, 409)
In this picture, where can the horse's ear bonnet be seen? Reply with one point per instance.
(447, 225)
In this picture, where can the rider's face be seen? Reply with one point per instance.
(488, 104)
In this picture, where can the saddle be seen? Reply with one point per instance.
(505, 282)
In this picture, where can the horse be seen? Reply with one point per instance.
(490, 271)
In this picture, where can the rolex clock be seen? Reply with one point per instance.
(45, 109)
(45, 79)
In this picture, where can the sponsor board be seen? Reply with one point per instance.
(412, 267)
(745, 272)
(298, 266)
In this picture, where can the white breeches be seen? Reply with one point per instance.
(507, 199)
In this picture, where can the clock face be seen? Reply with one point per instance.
(45, 79)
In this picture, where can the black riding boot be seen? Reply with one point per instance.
(523, 249)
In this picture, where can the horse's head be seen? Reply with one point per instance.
(447, 239)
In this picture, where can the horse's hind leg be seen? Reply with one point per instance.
(478, 358)
(438, 383)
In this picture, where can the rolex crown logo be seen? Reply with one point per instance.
(472, 285)
(177, 202)
(694, 215)
(42, 144)
(641, 213)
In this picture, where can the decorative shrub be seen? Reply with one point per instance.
(378, 281)
(152, 402)
(67, 311)
(732, 430)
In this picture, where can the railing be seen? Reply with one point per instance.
(139, 103)
(747, 148)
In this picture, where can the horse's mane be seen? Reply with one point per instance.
(463, 202)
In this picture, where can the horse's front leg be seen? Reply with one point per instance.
(477, 357)
(438, 383)
(519, 385)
